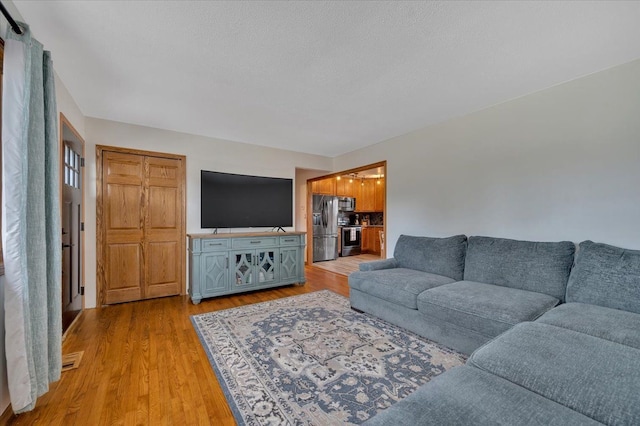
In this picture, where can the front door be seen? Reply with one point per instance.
(72, 250)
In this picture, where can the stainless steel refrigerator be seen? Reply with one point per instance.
(325, 227)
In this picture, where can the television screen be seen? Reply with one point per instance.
(241, 201)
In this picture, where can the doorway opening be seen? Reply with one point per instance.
(346, 223)
(72, 221)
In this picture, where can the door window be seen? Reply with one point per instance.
(71, 167)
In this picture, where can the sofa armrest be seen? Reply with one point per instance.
(379, 264)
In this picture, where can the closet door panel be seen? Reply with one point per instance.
(142, 220)
(123, 181)
(164, 237)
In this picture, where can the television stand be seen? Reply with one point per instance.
(278, 229)
(221, 264)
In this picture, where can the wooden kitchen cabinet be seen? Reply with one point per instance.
(379, 194)
(355, 191)
(340, 188)
(376, 240)
(370, 197)
(371, 239)
(324, 186)
(343, 187)
(367, 196)
(364, 240)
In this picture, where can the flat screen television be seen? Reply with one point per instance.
(242, 201)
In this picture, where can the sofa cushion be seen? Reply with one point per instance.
(607, 276)
(596, 377)
(440, 256)
(398, 285)
(606, 323)
(527, 265)
(485, 308)
(469, 396)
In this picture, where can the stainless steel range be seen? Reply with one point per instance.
(350, 240)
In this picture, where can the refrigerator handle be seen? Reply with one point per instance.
(324, 214)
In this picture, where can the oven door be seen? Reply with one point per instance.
(351, 240)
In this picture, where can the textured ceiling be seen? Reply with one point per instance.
(320, 77)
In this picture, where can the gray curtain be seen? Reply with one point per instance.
(31, 231)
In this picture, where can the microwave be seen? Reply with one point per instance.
(346, 204)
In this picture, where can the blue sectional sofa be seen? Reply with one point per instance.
(463, 292)
(574, 364)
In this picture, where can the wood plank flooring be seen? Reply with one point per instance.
(345, 265)
(144, 365)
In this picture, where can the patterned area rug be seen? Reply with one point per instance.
(311, 360)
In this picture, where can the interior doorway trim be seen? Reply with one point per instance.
(381, 164)
(100, 235)
(64, 122)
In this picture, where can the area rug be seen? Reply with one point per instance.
(311, 360)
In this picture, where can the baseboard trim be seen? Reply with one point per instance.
(7, 415)
(72, 325)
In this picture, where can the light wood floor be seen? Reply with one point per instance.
(143, 363)
(345, 265)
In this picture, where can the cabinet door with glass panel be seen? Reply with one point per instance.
(254, 267)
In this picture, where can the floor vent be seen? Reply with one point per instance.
(71, 361)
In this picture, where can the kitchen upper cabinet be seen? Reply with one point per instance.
(355, 191)
(344, 188)
(366, 201)
(370, 195)
(379, 194)
(324, 186)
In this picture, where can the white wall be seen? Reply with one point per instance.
(68, 107)
(201, 152)
(560, 164)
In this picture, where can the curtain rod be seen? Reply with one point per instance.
(14, 26)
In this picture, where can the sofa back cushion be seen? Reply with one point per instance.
(607, 276)
(441, 256)
(526, 265)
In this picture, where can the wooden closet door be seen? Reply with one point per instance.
(123, 181)
(143, 226)
(163, 227)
